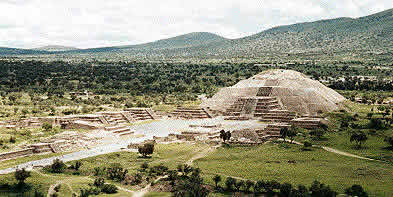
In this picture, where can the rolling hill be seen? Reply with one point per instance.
(369, 33)
(55, 48)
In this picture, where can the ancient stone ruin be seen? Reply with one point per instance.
(275, 95)
(281, 98)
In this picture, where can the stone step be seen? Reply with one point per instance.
(121, 130)
(113, 128)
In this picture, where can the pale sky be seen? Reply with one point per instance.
(98, 23)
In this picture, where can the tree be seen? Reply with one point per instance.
(76, 166)
(284, 132)
(389, 140)
(359, 138)
(248, 185)
(109, 188)
(99, 182)
(238, 185)
(285, 189)
(307, 146)
(225, 135)
(292, 133)
(47, 126)
(258, 187)
(320, 190)
(21, 176)
(146, 149)
(317, 133)
(216, 179)
(57, 166)
(229, 183)
(356, 190)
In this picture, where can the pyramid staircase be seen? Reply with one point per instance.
(271, 131)
(115, 118)
(140, 114)
(190, 113)
(120, 130)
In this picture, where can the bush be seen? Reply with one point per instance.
(146, 149)
(307, 146)
(320, 190)
(57, 166)
(109, 189)
(389, 140)
(116, 172)
(230, 183)
(356, 190)
(21, 175)
(12, 139)
(99, 182)
(47, 126)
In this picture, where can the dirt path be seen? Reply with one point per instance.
(51, 189)
(201, 154)
(332, 150)
(145, 190)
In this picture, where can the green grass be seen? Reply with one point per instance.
(270, 162)
(14, 162)
(265, 162)
(170, 155)
(374, 147)
(158, 194)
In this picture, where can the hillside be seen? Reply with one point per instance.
(371, 33)
(15, 51)
(55, 48)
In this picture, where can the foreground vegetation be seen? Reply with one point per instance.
(280, 162)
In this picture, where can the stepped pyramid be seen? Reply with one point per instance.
(275, 96)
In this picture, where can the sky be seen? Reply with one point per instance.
(98, 23)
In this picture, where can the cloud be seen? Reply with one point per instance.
(95, 23)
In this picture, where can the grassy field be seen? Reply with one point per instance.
(264, 162)
(374, 147)
(270, 162)
(170, 155)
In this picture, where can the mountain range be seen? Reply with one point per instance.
(369, 33)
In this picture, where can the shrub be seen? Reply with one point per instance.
(356, 190)
(21, 175)
(144, 166)
(47, 126)
(12, 139)
(307, 146)
(229, 183)
(109, 188)
(359, 138)
(389, 140)
(57, 166)
(320, 190)
(116, 172)
(99, 182)
(76, 165)
(146, 149)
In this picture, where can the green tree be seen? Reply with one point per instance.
(21, 175)
(284, 132)
(146, 149)
(356, 190)
(359, 138)
(216, 179)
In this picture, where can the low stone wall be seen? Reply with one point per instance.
(16, 154)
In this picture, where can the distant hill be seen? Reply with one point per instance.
(369, 33)
(15, 51)
(55, 48)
